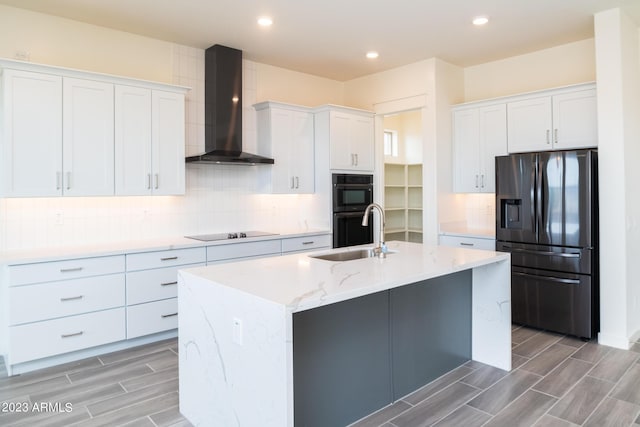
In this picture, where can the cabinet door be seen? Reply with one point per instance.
(341, 154)
(31, 153)
(529, 125)
(351, 137)
(466, 151)
(132, 140)
(575, 121)
(493, 142)
(301, 159)
(361, 141)
(88, 143)
(280, 129)
(167, 137)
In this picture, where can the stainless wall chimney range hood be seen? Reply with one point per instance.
(223, 110)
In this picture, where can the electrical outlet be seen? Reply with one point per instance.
(237, 331)
(23, 55)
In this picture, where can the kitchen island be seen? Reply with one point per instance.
(306, 341)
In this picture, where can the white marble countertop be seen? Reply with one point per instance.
(132, 246)
(299, 282)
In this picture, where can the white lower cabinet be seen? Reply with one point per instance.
(246, 250)
(52, 337)
(152, 288)
(59, 307)
(65, 298)
(153, 317)
(307, 243)
(468, 242)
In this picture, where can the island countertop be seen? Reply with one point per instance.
(300, 282)
(246, 328)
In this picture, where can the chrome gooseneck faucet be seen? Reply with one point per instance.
(380, 250)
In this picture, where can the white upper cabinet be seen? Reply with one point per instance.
(149, 142)
(31, 134)
(132, 140)
(351, 140)
(87, 135)
(74, 133)
(563, 120)
(285, 133)
(479, 135)
(167, 136)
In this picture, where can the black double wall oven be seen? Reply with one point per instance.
(352, 193)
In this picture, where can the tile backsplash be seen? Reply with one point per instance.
(218, 198)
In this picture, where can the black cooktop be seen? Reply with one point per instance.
(232, 235)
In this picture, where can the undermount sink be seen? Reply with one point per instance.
(348, 255)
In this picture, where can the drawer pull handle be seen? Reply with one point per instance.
(70, 270)
(75, 334)
(170, 258)
(164, 316)
(168, 283)
(308, 243)
(72, 298)
(466, 244)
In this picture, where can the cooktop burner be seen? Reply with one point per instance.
(233, 235)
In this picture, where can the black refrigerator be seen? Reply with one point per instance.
(547, 218)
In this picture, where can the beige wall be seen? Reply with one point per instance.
(66, 43)
(280, 84)
(558, 66)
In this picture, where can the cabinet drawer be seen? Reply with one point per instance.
(62, 270)
(468, 242)
(297, 244)
(152, 317)
(43, 339)
(43, 301)
(152, 285)
(243, 250)
(148, 260)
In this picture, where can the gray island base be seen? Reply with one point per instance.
(300, 341)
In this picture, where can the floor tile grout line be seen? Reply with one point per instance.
(129, 406)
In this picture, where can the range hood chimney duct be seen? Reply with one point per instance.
(223, 110)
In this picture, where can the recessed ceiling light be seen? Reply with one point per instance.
(480, 20)
(372, 55)
(265, 21)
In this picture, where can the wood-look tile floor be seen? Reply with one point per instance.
(556, 381)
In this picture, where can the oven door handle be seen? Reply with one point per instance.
(349, 214)
(545, 253)
(548, 278)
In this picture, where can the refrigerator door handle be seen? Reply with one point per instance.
(546, 253)
(535, 198)
(550, 279)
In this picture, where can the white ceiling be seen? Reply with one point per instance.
(330, 37)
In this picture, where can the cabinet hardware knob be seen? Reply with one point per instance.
(157, 185)
(356, 159)
(171, 258)
(292, 183)
(58, 180)
(548, 140)
(476, 181)
(148, 181)
(555, 136)
(168, 283)
(75, 334)
(68, 180)
(311, 242)
(164, 316)
(70, 270)
(466, 244)
(72, 298)
(482, 180)
(297, 182)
